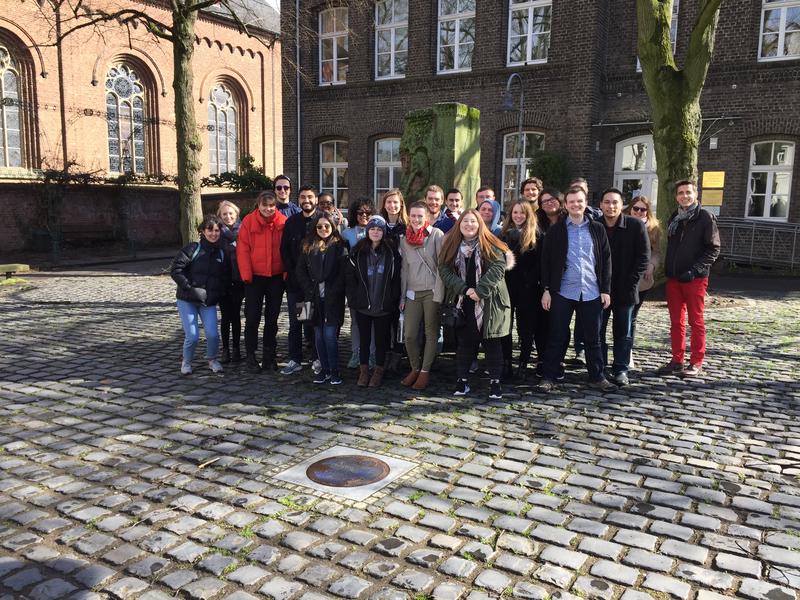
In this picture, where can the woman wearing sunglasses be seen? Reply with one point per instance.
(641, 208)
(320, 273)
(359, 212)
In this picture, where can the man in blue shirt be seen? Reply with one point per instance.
(576, 276)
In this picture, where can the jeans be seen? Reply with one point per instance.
(366, 325)
(326, 339)
(191, 313)
(421, 309)
(230, 309)
(622, 332)
(683, 298)
(561, 310)
(469, 339)
(297, 329)
(265, 293)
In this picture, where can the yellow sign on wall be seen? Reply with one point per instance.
(714, 179)
(712, 197)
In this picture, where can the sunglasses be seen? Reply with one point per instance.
(363, 213)
(323, 226)
(283, 187)
(212, 229)
(641, 209)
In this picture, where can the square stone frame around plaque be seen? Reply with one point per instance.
(297, 474)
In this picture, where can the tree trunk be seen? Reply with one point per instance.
(189, 143)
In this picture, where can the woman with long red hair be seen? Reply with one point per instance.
(472, 265)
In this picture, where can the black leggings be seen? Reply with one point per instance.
(525, 318)
(469, 339)
(382, 326)
(231, 312)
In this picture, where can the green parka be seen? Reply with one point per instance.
(491, 288)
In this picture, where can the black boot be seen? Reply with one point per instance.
(225, 356)
(251, 362)
(522, 371)
(508, 371)
(236, 356)
(269, 363)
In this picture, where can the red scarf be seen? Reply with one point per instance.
(417, 238)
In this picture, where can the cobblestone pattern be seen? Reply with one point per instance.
(121, 479)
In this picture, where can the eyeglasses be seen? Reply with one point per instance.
(363, 213)
(548, 199)
(283, 187)
(323, 226)
(641, 209)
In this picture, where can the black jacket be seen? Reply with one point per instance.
(356, 280)
(227, 240)
(630, 255)
(203, 275)
(554, 256)
(316, 267)
(294, 232)
(524, 280)
(395, 233)
(694, 247)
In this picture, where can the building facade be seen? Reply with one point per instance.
(364, 65)
(102, 102)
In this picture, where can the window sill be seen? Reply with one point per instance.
(527, 64)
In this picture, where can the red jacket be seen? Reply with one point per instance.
(258, 247)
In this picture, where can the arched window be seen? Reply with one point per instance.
(10, 128)
(223, 130)
(635, 168)
(125, 102)
(769, 189)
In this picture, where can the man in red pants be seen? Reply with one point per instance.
(692, 247)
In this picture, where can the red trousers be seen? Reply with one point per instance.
(689, 298)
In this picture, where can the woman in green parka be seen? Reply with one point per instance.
(472, 265)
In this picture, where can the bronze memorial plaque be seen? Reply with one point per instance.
(350, 470)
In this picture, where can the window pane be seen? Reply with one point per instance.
(341, 47)
(341, 177)
(780, 184)
(326, 47)
(779, 207)
(383, 12)
(384, 40)
(401, 61)
(466, 32)
(631, 188)
(758, 183)
(326, 21)
(447, 32)
(384, 151)
(465, 56)
(756, 208)
(769, 45)
(519, 49)
(327, 177)
(327, 152)
(784, 154)
(519, 22)
(533, 144)
(772, 21)
(762, 154)
(466, 5)
(401, 11)
(341, 73)
(382, 177)
(341, 151)
(401, 38)
(397, 174)
(447, 58)
(634, 157)
(448, 7)
(511, 146)
(792, 43)
(326, 72)
(541, 43)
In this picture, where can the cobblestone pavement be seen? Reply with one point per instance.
(121, 479)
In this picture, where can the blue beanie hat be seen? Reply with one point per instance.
(377, 221)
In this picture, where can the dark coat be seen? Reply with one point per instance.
(395, 233)
(329, 267)
(294, 232)
(694, 247)
(228, 237)
(630, 255)
(356, 280)
(554, 256)
(524, 280)
(202, 276)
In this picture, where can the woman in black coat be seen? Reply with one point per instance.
(203, 275)
(231, 306)
(373, 291)
(320, 273)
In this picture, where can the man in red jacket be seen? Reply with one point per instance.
(258, 254)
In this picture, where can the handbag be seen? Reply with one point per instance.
(304, 311)
(452, 316)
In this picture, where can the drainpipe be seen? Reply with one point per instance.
(297, 83)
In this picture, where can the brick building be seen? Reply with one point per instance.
(103, 101)
(364, 65)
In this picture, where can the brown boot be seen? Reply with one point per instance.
(409, 379)
(377, 377)
(363, 375)
(422, 381)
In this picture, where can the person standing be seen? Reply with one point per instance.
(393, 210)
(230, 307)
(283, 194)
(203, 276)
(576, 276)
(448, 217)
(421, 292)
(530, 190)
(630, 255)
(373, 292)
(296, 230)
(327, 203)
(434, 200)
(258, 254)
(359, 212)
(472, 265)
(320, 274)
(692, 247)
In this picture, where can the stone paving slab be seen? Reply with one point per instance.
(121, 479)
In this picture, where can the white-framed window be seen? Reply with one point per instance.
(635, 169)
(125, 95)
(223, 134)
(770, 180)
(780, 30)
(10, 126)
(532, 142)
(333, 169)
(333, 46)
(673, 31)
(388, 168)
(456, 35)
(528, 31)
(391, 38)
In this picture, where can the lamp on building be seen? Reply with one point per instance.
(508, 106)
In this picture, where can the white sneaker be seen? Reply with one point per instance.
(316, 366)
(215, 366)
(186, 368)
(291, 367)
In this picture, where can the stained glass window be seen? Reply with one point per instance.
(125, 117)
(223, 135)
(10, 129)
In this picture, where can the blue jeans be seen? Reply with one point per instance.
(326, 338)
(622, 332)
(561, 310)
(191, 313)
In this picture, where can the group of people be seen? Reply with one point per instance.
(414, 275)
